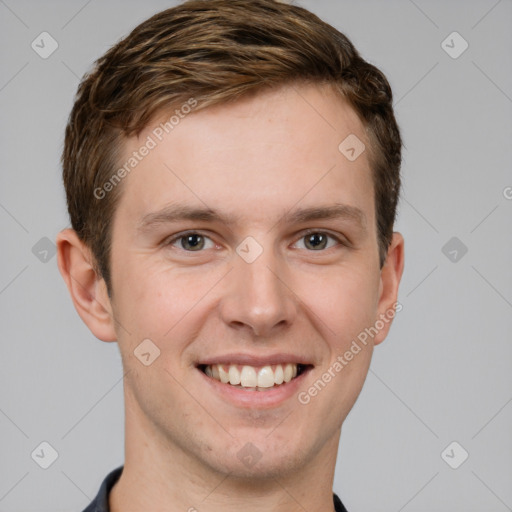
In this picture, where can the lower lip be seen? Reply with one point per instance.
(251, 398)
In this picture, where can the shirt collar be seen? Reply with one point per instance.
(100, 503)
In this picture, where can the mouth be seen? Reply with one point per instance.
(255, 378)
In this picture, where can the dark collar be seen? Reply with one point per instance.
(100, 503)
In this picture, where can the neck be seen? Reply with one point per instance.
(160, 475)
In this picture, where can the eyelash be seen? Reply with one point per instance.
(180, 236)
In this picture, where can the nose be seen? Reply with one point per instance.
(256, 297)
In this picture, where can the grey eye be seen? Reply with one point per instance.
(192, 242)
(316, 241)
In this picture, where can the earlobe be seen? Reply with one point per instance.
(391, 275)
(88, 291)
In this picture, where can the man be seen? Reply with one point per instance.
(232, 174)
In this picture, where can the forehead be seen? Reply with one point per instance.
(248, 157)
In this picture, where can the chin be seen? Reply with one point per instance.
(258, 458)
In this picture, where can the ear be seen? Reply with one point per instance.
(88, 291)
(390, 276)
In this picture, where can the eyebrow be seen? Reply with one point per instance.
(335, 211)
(177, 212)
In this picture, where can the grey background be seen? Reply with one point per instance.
(443, 374)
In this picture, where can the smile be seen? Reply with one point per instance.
(254, 378)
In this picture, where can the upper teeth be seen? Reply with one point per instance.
(252, 377)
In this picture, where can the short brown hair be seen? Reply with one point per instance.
(215, 51)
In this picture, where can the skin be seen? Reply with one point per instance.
(252, 161)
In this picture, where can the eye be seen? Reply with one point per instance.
(319, 240)
(191, 241)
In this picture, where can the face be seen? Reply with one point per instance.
(246, 239)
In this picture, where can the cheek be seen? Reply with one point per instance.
(155, 300)
(344, 302)
(347, 308)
